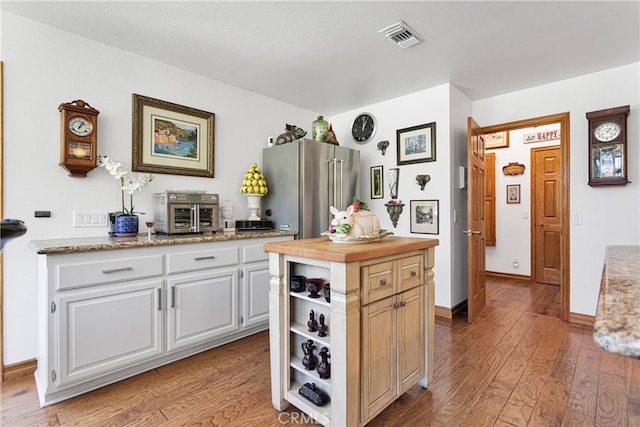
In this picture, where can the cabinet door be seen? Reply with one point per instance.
(379, 385)
(255, 294)
(106, 328)
(410, 338)
(201, 307)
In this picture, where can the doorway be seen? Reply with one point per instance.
(562, 270)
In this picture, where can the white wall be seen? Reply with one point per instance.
(431, 105)
(44, 67)
(611, 215)
(513, 229)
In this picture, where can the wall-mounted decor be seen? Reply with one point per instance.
(79, 137)
(513, 168)
(417, 144)
(377, 188)
(172, 139)
(513, 193)
(394, 179)
(382, 146)
(542, 136)
(424, 216)
(608, 146)
(422, 180)
(496, 140)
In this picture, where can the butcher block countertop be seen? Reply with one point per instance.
(617, 325)
(322, 248)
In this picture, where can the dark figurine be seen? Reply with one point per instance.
(292, 133)
(313, 286)
(322, 328)
(309, 361)
(313, 394)
(312, 324)
(331, 136)
(324, 368)
(327, 292)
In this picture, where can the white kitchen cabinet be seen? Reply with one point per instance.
(106, 328)
(106, 315)
(202, 307)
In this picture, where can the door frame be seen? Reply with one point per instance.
(565, 219)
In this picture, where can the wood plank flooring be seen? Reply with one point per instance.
(517, 365)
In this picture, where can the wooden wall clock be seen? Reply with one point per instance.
(78, 137)
(608, 146)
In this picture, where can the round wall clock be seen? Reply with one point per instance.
(363, 128)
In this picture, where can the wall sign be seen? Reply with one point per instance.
(542, 136)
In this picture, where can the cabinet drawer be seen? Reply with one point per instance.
(254, 253)
(377, 281)
(201, 260)
(411, 272)
(73, 275)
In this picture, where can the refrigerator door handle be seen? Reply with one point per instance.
(340, 186)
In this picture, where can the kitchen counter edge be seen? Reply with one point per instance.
(324, 249)
(106, 243)
(617, 324)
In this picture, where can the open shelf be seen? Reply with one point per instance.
(302, 330)
(321, 414)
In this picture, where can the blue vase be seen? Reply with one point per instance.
(126, 225)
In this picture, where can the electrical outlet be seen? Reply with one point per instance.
(90, 219)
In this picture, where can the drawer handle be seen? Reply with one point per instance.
(117, 270)
(202, 258)
(383, 282)
(413, 273)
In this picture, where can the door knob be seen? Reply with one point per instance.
(540, 224)
(469, 232)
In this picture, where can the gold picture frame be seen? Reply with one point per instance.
(496, 140)
(172, 139)
(377, 182)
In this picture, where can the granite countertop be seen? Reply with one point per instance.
(617, 325)
(105, 243)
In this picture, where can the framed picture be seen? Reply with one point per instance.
(496, 140)
(417, 144)
(172, 139)
(424, 216)
(513, 193)
(377, 187)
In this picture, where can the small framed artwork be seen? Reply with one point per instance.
(172, 139)
(377, 187)
(424, 216)
(513, 193)
(496, 140)
(416, 144)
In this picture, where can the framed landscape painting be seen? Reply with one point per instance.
(424, 216)
(377, 189)
(172, 139)
(416, 144)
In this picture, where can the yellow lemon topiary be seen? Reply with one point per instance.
(253, 181)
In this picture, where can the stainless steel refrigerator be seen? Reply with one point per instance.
(305, 178)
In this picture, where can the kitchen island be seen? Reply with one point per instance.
(110, 308)
(379, 318)
(617, 324)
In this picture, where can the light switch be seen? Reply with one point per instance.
(576, 218)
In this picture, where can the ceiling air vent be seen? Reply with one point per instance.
(401, 34)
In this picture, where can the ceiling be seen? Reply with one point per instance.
(328, 57)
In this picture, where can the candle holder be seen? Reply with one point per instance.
(394, 175)
(394, 210)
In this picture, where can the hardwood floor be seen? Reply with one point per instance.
(517, 365)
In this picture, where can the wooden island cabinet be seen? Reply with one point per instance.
(379, 318)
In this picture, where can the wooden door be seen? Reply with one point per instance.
(476, 287)
(546, 230)
(490, 199)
